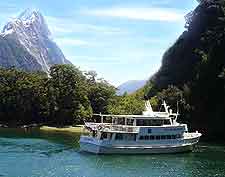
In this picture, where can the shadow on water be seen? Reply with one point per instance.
(35, 140)
(66, 138)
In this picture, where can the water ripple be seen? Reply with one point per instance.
(46, 155)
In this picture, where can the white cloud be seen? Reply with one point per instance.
(96, 59)
(67, 25)
(147, 14)
(71, 42)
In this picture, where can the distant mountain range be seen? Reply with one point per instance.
(25, 43)
(130, 86)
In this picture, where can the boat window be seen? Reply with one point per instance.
(173, 136)
(146, 137)
(149, 122)
(157, 122)
(119, 136)
(121, 121)
(141, 137)
(152, 137)
(163, 137)
(149, 130)
(166, 122)
(129, 137)
(158, 137)
(140, 122)
(178, 135)
(130, 121)
(168, 136)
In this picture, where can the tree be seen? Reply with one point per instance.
(100, 93)
(126, 105)
(22, 97)
(68, 95)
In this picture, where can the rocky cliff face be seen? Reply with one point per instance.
(25, 43)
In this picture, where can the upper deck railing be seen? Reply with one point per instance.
(108, 127)
(122, 128)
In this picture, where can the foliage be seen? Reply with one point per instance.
(68, 99)
(100, 93)
(128, 104)
(171, 96)
(22, 94)
(194, 65)
(65, 97)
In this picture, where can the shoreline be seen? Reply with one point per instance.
(46, 128)
(79, 129)
(70, 129)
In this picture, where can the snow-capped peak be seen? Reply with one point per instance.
(27, 21)
(30, 14)
(26, 44)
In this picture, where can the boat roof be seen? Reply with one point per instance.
(158, 115)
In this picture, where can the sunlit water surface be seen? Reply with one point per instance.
(40, 154)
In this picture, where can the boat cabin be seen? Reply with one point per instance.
(135, 128)
(151, 126)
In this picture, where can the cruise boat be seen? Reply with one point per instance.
(150, 133)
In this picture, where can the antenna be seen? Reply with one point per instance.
(165, 106)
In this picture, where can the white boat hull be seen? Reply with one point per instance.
(93, 148)
(99, 147)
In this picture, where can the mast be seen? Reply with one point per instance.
(165, 106)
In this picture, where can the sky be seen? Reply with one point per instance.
(119, 39)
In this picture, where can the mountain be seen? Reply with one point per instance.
(193, 71)
(130, 86)
(25, 43)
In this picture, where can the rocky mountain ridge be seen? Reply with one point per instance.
(25, 43)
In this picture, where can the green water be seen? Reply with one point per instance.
(41, 154)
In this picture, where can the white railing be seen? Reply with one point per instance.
(129, 129)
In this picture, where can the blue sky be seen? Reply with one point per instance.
(120, 39)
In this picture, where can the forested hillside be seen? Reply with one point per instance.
(68, 96)
(193, 71)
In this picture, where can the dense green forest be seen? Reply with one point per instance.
(193, 71)
(66, 97)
